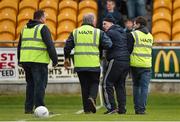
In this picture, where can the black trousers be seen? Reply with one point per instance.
(36, 79)
(115, 79)
(89, 86)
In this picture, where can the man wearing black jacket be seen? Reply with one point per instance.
(35, 49)
(118, 67)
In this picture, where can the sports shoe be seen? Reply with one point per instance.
(121, 111)
(140, 112)
(87, 112)
(111, 112)
(29, 112)
(92, 105)
(51, 113)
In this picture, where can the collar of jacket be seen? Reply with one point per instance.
(32, 23)
(87, 24)
(143, 29)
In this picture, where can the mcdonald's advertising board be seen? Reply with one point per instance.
(166, 64)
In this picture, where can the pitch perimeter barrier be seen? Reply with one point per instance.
(165, 66)
(10, 72)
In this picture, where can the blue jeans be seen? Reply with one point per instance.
(136, 8)
(141, 78)
(36, 79)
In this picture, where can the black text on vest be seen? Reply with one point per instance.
(146, 40)
(85, 32)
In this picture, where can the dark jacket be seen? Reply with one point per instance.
(46, 37)
(128, 30)
(130, 38)
(105, 43)
(119, 49)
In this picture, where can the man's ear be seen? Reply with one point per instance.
(139, 25)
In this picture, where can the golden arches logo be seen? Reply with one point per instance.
(166, 58)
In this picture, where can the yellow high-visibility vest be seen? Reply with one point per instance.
(141, 54)
(33, 49)
(86, 51)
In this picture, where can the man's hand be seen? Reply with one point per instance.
(19, 64)
(67, 63)
(55, 65)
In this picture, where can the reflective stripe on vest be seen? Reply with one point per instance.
(141, 55)
(33, 49)
(86, 40)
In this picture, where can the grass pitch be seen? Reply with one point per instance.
(164, 107)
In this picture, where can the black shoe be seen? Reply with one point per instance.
(29, 112)
(140, 112)
(92, 105)
(51, 113)
(110, 112)
(87, 112)
(121, 112)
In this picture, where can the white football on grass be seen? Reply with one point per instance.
(41, 112)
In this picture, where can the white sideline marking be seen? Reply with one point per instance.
(24, 120)
(81, 111)
(50, 116)
(53, 115)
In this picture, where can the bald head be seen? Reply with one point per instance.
(89, 19)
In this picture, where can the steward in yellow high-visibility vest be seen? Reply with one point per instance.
(87, 42)
(35, 49)
(141, 54)
(140, 46)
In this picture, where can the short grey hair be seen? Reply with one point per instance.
(89, 18)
